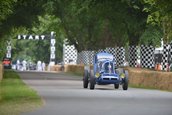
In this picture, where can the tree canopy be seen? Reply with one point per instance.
(88, 24)
(160, 15)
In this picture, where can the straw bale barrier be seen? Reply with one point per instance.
(150, 78)
(138, 77)
(1, 71)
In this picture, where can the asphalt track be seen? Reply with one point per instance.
(63, 94)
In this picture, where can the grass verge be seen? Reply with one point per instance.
(142, 87)
(15, 96)
(146, 87)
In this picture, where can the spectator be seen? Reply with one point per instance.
(24, 63)
(39, 66)
(18, 64)
(43, 66)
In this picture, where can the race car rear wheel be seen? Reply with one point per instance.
(116, 86)
(85, 79)
(92, 81)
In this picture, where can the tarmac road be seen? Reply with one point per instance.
(63, 95)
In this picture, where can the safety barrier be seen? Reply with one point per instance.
(1, 71)
(78, 69)
(150, 79)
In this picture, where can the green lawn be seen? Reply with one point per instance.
(15, 96)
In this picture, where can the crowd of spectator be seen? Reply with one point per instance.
(26, 66)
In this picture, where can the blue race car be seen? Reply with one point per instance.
(105, 72)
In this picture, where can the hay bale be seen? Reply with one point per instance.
(57, 68)
(66, 68)
(134, 77)
(1, 71)
(52, 68)
(170, 83)
(163, 81)
(1, 76)
(150, 78)
(78, 69)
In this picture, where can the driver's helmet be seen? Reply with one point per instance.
(108, 67)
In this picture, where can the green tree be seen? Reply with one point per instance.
(20, 13)
(87, 26)
(45, 25)
(152, 36)
(6, 8)
(161, 15)
(16, 14)
(96, 24)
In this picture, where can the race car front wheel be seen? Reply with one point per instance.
(116, 86)
(125, 81)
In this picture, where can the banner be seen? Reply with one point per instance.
(32, 37)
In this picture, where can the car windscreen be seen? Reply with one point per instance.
(108, 67)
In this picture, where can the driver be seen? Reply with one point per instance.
(108, 67)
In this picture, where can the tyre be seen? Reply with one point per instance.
(92, 81)
(85, 79)
(125, 81)
(116, 86)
